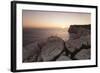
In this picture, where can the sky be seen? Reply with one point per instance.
(52, 19)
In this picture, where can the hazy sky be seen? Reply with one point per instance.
(49, 19)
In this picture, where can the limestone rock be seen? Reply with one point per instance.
(30, 52)
(73, 45)
(86, 40)
(76, 44)
(52, 48)
(83, 54)
(63, 58)
(76, 31)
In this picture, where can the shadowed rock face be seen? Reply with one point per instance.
(83, 54)
(31, 52)
(54, 47)
(79, 39)
(63, 57)
(75, 28)
(76, 31)
(73, 45)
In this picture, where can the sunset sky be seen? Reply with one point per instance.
(51, 19)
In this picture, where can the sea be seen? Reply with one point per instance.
(31, 35)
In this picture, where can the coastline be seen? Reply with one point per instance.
(54, 48)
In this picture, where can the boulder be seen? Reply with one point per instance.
(31, 52)
(86, 40)
(76, 44)
(53, 47)
(39, 59)
(63, 57)
(73, 45)
(83, 54)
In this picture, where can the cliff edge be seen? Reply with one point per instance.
(79, 43)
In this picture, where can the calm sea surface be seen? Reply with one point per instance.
(32, 35)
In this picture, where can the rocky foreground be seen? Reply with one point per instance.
(78, 47)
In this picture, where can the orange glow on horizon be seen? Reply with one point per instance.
(44, 19)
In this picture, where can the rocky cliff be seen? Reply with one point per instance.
(80, 40)
(78, 47)
(76, 31)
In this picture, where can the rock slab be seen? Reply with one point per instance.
(52, 49)
(31, 52)
(83, 54)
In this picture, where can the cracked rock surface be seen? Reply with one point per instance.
(78, 47)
